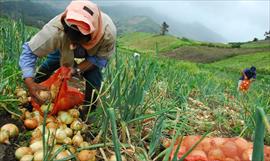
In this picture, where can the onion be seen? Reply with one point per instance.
(52, 125)
(65, 117)
(205, 145)
(44, 95)
(84, 144)
(46, 107)
(20, 152)
(84, 128)
(30, 123)
(20, 92)
(77, 139)
(11, 128)
(72, 149)
(76, 125)
(39, 119)
(189, 141)
(217, 142)
(166, 142)
(4, 137)
(113, 158)
(36, 146)
(180, 152)
(62, 155)
(69, 132)
(197, 155)
(247, 155)
(215, 154)
(27, 158)
(38, 156)
(87, 155)
(229, 148)
(67, 140)
(26, 115)
(60, 135)
(241, 144)
(54, 91)
(55, 148)
(36, 133)
(40, 127)
(50, 119)
(74, 113)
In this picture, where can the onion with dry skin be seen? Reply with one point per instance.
(46, 107)
(65, 117)
(69, 132)
(27, 158)
(60, 135)
(4, 137)
(84, 144)
(38, 156)
(76, 125)
(216, 154)
(62, 155)
(36, 146)
(77, 139)
(229, 148)
(30, 123)
(54, 90)
(20, 152)
(44, 95)
(74, 113)
(12, 129)
(87, 155)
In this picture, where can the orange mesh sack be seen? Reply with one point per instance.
(244, 86)
(63, 96)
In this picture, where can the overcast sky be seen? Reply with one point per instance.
(236, 20)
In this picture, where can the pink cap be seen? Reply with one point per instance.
(84, 14)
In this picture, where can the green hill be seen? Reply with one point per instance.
(186, 49)
(261, 60)
(146, 42)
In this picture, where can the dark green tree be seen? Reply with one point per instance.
(267, 35)
(164, 28)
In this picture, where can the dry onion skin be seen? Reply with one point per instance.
(77, 139)
(38, 156)
(12, 129)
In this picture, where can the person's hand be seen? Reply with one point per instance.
(34, 89)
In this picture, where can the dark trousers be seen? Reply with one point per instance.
(93, 78)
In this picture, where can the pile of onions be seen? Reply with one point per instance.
(65, 129)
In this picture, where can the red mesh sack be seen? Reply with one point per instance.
(64, 96)
(244, 86)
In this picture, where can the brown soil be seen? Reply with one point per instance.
(204, 54)
(7, 152)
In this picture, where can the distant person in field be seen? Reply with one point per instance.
(81, 31)
(247, 76)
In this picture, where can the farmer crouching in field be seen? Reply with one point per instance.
(81, 31)
(248, 75)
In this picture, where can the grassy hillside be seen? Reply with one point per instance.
(257, 44)
(261, 60)
(147, 42)
(185, 49)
